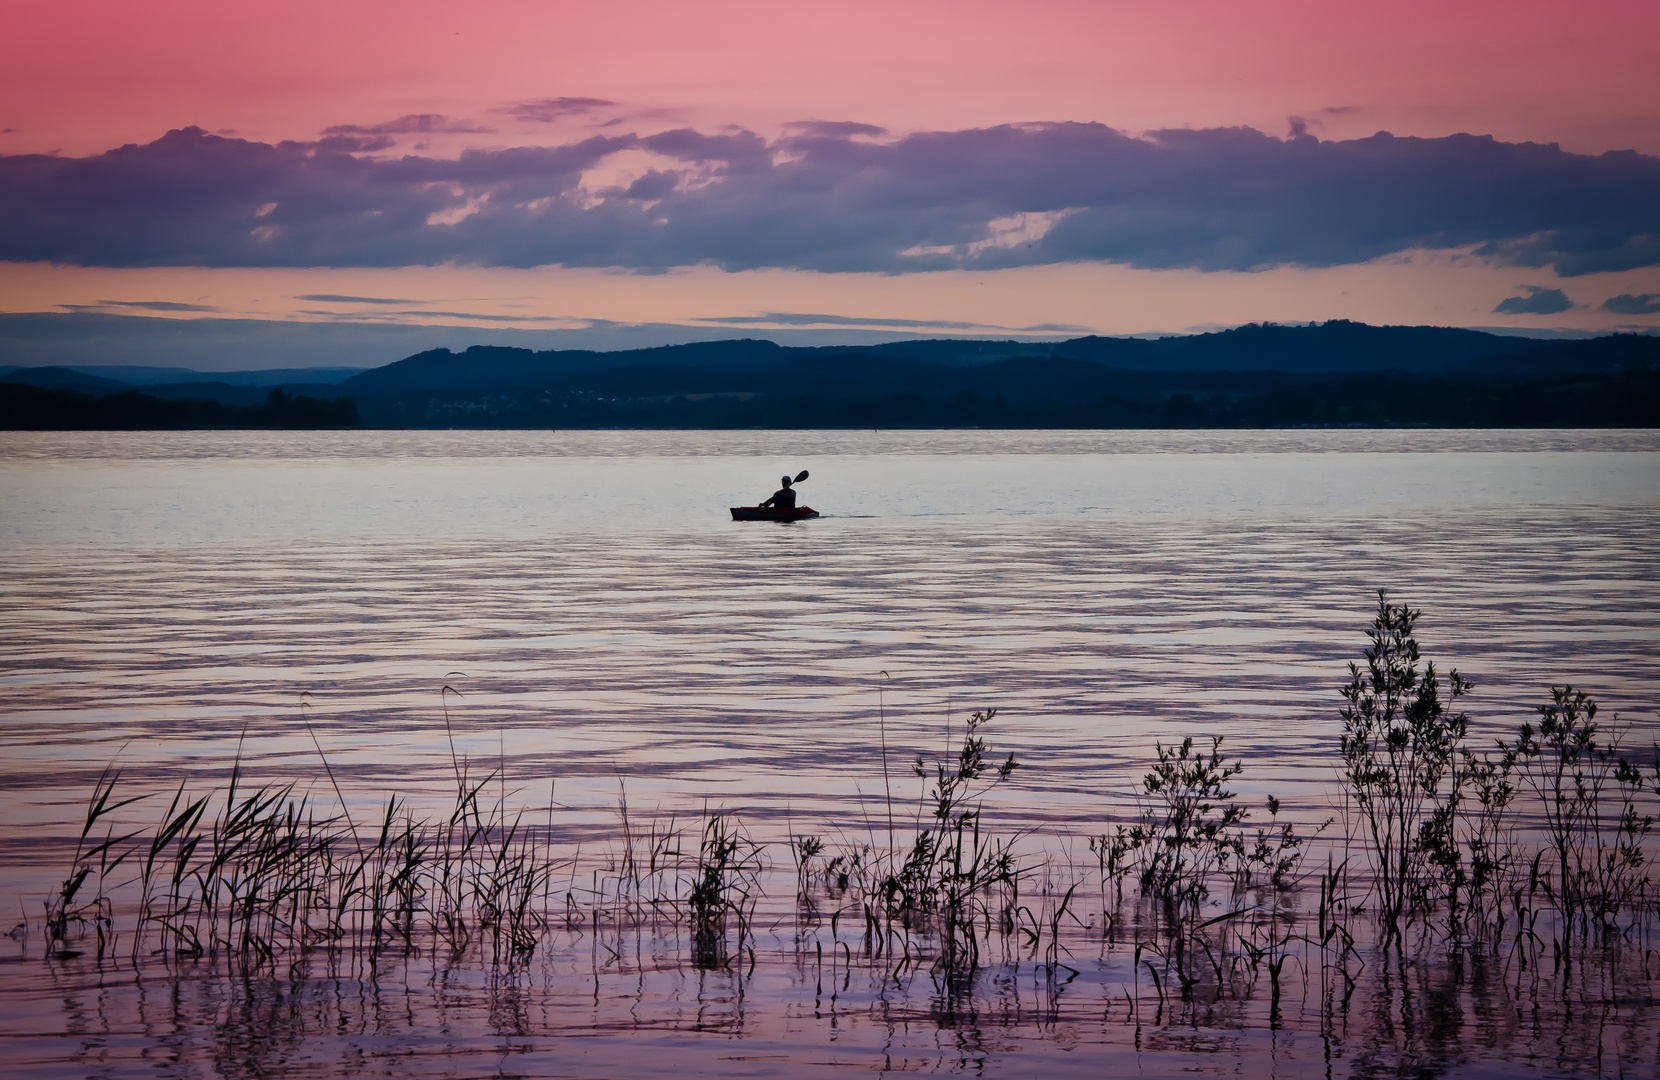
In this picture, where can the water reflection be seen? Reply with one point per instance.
(562, 1015)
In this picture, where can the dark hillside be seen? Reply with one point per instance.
(1615, 352)
(1338, 345)
(493, 367)
(1328, 348)
(1261, 375)
(33, 408)
(57, 378)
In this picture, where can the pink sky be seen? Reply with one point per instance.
(78, 78)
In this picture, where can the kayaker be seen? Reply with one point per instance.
(783, 498)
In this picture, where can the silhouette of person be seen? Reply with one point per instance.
(783, 498)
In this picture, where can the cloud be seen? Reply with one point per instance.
(142, 305)
(413, 124)
(834, 128)
(828, 198)
(1538, 301)
(551, 110)
(373, 316)
(1627, 304)
(335, 298)
(481, 316)
(794, 318)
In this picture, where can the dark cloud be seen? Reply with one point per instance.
(1308, 126)
(414, 124)
(355, 144)
(741, 149)
(469, 315)
(336, 298)
(1627, 304)
(141, 305)
(796, 318)
(655, 184)
(835, 128)
(800, 318)
(549, 110)
(826, 198)
(1538, 301)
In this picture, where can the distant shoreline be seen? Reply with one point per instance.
(1333, 374)
(1628, 399)
(32, 408)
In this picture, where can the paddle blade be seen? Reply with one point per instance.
(802, 475)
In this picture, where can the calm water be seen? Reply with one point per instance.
(169, 600)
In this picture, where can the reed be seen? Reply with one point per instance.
(724, 888)
(637, 881)
(1537, 852)
(266, 876)
(70, 912)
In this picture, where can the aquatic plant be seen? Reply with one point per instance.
(1189, 831)
(1193, 833)
(1533, 859)
(636, 880)
(725, 884)
(1588, 793)
(70, 911)
(1399, 746)
(947, 877)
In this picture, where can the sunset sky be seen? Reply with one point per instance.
(962, 167)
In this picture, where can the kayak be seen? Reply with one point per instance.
(772, 513)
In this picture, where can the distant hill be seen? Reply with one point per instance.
(24, 407)
(57, 378)
(139, 375)
(1337, 372)
(187, 385)
(1251, 375)
(1336, 346)
(1326, 348)
(497, 367)
(1615, 352)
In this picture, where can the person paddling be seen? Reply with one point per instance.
(780, 507)
(784, 497)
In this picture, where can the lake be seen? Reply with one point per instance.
(178, 602)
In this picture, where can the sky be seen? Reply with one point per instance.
(1036, 169)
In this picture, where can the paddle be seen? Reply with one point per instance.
(800, 476)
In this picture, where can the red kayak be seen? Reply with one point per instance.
(772, 513)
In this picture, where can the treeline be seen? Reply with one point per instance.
(1621, 399)
(1010, 394)
(31, 408)
(1085, 399)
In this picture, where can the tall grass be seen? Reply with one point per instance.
(725, 887)
(70, 912)
(1535, 851)
(250, 874)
